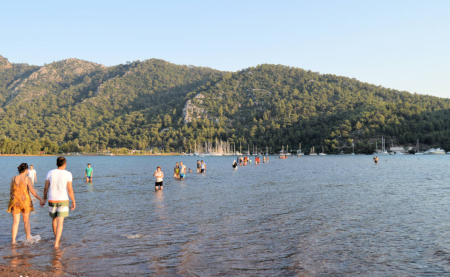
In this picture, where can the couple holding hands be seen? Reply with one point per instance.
(58, 189)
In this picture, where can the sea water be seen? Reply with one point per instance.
(326, 215)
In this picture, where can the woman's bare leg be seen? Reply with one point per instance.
(15, 227)
(26, 224)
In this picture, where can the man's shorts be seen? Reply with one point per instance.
(158, 184)
(60, 209)
(182, 176)
(89, 177)
(203, 171)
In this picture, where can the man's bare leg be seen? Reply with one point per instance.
(15, 227)
(54, 224)
(26, 224)
(59, 229)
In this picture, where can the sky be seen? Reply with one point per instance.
(402, 45)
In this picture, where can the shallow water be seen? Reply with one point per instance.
(301, 216)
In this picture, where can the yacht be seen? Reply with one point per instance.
(435, 151)
(383, 151)
(312, 153)
(299, 151)
(323, 152)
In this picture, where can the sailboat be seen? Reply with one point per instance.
(383, 148)
(282, 153)
(299, 151)
(287, 150)
(323, 152)
(312, 153)
(417, 149)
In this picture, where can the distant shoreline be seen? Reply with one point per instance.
(99, 155)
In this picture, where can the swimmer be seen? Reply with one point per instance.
(159, 175)
(235, 165)
(190, 171)
(375, 160)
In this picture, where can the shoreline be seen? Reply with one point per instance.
(99, 155)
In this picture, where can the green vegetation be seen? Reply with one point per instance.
(78, 106)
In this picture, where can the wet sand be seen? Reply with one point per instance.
(15, 271)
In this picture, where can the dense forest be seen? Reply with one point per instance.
(79, 106)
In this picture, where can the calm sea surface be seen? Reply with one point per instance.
(308, 216)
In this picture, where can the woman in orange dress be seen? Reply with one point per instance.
(20, 201)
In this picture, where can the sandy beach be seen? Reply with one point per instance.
(15, 271)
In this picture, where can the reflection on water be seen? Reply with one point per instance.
(19, 256)
(298, 216)
(57, 265)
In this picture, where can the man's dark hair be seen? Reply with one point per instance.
(60, 161)
(89, 164)
(202, 160)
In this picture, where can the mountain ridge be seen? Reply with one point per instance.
(76, 104)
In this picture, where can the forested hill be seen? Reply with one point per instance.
(143, 105)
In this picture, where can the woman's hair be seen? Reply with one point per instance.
(22, 167)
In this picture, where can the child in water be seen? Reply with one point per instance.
(176, 171)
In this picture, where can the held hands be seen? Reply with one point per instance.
(42, 202)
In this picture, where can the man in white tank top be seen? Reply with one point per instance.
(58, 188)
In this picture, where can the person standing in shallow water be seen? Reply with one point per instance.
(203, 167)
(32, 174)
(20, 201)
(198, 166)
(182, 171)
(159, 175)
(89, 173)
(58, 188)
(176, 171)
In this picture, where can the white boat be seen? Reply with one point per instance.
(312, 153)
(435, 151)
(323, 153)
(284, 153)
(383, 151)
(299, 151)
